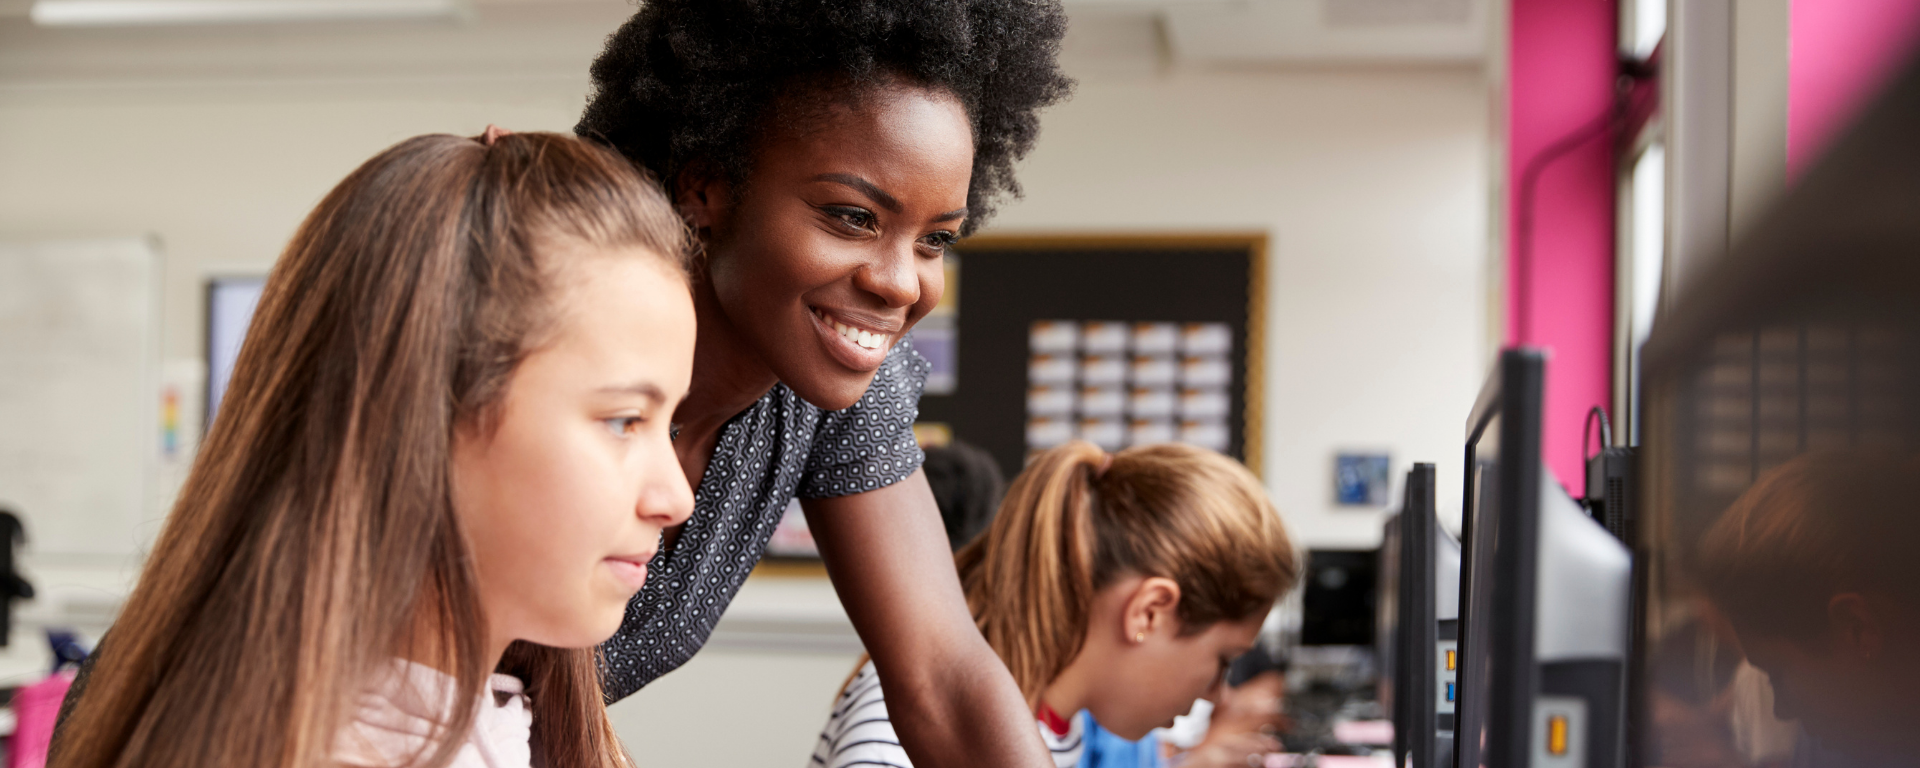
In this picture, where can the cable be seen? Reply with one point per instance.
(1586, 433)
(1529, 188)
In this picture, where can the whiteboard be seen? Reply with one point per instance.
(78, 392)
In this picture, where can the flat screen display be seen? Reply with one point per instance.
(1483, 534)
(230, 303)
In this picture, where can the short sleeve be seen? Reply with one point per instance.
(870, 445)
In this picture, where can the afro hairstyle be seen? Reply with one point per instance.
(696, 82)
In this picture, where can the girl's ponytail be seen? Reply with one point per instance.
(1078, 518)
(1030, 580)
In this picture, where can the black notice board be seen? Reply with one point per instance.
(1007, 283)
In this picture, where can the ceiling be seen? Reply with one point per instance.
(556, 39)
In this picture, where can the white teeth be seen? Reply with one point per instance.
(867, 339)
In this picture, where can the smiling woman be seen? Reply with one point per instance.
(834, 248)
(826, 155)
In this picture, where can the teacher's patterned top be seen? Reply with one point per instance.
(779, 448)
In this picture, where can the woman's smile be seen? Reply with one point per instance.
(857, 342)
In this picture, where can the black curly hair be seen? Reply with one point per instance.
(688, 82)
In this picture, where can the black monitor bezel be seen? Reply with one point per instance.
(1416, 640)
(1515, 393)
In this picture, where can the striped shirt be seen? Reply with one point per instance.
(858, 732)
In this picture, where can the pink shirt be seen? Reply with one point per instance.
(400, 712)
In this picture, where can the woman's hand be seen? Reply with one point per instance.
(1253, 707)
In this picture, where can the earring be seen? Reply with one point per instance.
(1139, 637)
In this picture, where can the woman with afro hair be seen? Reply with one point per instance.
(826, 154)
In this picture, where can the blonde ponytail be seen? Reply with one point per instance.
(1030, 580)
(1078, 518)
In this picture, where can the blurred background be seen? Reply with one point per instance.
(1408, 185)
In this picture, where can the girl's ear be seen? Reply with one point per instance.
(702, 196)
(1152, 609)
(1851, 621)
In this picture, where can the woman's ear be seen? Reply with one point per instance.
(1152, 609)
(702, 196)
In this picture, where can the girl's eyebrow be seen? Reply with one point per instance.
(644, 389)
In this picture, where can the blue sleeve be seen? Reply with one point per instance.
(870, 445)
(1105, 750)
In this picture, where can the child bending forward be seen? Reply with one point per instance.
(1120, 584)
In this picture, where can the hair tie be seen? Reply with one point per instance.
(493, 134)
(1106, 460)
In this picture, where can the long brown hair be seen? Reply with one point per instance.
(1079, 518)
(316, 529)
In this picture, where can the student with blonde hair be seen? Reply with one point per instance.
(1121, 584)
(438, 476)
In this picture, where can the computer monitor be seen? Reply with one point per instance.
(1420, 566)
(1446, 687)
(1781, 468)
(1418, 684)
(1545, 597)
(1337, 604)
(230, 304)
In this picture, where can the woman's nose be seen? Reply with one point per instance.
(891, 277)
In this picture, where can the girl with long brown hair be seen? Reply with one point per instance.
(1121, 584)
(439, 474)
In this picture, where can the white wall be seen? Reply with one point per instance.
(1372, 186)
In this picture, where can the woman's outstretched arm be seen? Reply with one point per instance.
(951, 699)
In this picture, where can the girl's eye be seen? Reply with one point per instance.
(623, 426)
(852, 218)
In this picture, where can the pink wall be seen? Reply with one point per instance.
(1841, 53)
(1560, 279)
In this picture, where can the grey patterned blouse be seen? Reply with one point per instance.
(778, 448)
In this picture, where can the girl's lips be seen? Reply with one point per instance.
(631, 571)
(860, 349)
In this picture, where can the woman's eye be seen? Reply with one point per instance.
(624, 425)
(852, 218)
(941, 241)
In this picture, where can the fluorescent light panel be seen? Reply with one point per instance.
(127, 13)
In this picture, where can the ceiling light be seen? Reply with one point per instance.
(126, 13)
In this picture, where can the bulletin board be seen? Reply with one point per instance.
(1010, 288)
(79, 430)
